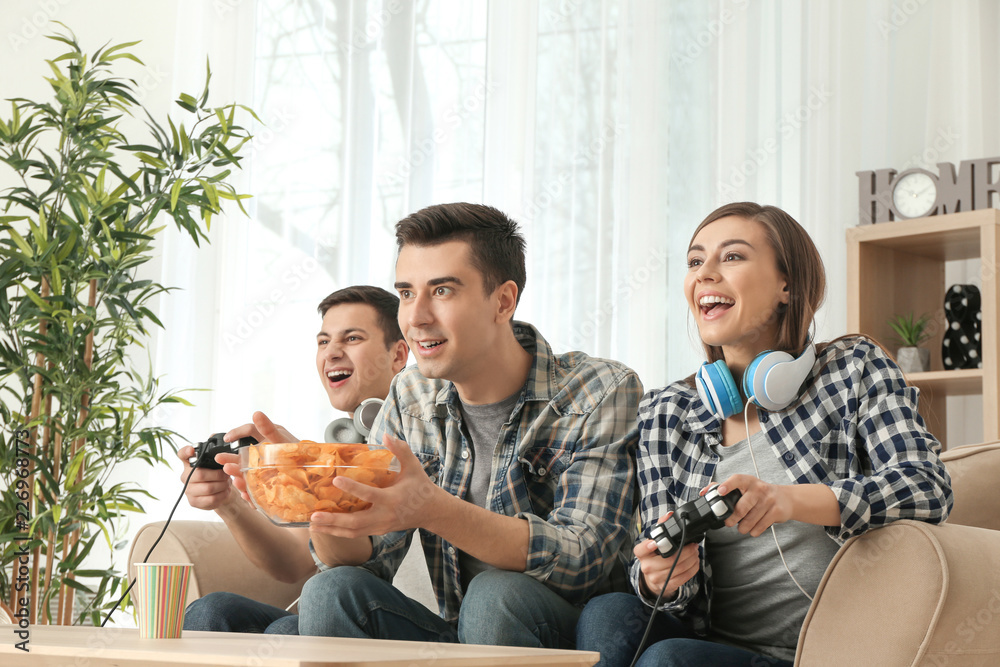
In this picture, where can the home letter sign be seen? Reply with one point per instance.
(885, 195)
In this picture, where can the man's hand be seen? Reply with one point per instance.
(655, 567)
(208, 489)
(403, 505)
(262, 430)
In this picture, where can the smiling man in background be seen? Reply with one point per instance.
(359, 349)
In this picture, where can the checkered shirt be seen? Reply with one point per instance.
(565, 462)
(855, 429)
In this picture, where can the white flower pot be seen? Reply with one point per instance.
(913, 359)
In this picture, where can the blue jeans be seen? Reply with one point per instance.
(228, 612)
(500, 608)
(613, 624)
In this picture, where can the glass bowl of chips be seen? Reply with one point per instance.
(288, 481)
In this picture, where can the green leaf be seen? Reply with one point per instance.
(108, 57)
(65, 40)
(67, 246)
(187, 103)
(73, 583)
(208, 78)
(222, 120)
(150, 160)
(94, 573)
(37, 300)
(130, 236)
(175, 193)
(251, 112)
(123, 506)
(128, 182)
(21, 243)
(211, 192)
(228, 193)
(56, 279)
(149, 314)
(185, 142)
(73, 469)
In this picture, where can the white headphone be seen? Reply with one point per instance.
(356, 429)
(772, 381)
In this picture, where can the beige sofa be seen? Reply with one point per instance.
(914, 594)
(908, 594)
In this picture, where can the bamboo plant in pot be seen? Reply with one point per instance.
(912, 332)
(79, 222)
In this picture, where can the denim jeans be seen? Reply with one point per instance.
(228, 612)
(613, 624)
(499, 608)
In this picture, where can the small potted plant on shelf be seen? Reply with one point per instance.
(910, 356)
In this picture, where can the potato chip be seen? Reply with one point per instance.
(290, 481)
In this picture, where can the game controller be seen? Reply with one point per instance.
(699, 516)
(204, 452)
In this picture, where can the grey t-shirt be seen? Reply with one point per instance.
(482, 424)
(755, 604)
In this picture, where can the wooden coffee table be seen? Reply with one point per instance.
(58, 646)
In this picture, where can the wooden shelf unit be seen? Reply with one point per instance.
(899, 267)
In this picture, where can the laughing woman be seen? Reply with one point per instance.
(829, 446)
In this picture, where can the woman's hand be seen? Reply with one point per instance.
(761, 506)
(655, 567)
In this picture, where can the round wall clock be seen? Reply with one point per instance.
(914, 193)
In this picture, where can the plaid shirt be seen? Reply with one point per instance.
(854, 429)
(565, 462)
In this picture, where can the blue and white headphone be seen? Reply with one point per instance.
(771, 381)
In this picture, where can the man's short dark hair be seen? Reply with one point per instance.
(385, 303)
(496, 246)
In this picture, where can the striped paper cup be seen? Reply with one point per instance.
(160, 596)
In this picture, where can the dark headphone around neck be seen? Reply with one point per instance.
(772, 381)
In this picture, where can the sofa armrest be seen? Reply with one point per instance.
(908, 594)
(973, 470)
(219, 563)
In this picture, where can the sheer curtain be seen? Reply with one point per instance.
(608, 128)
(393, 106)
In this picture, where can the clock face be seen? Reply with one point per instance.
(915, 194)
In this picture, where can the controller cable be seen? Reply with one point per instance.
(204, 449)
(649, 624)
(746, 425)
(160, 537)
(682, 519)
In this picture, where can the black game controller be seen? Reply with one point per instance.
(699, 516)
(204, 452)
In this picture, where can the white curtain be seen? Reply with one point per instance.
(526, 106)
(608, 129)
